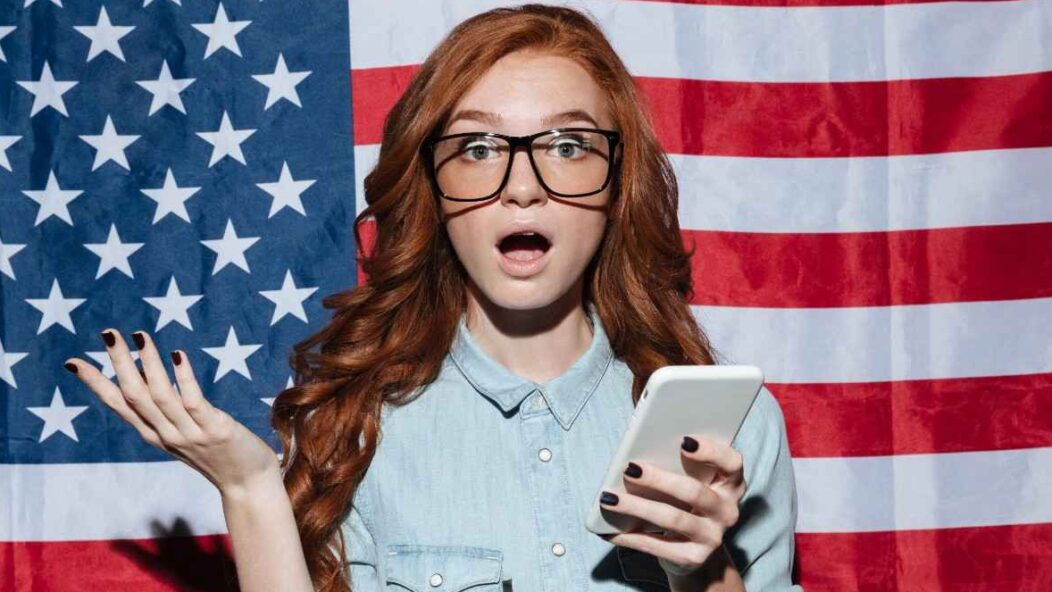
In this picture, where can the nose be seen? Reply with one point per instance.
(523, 187)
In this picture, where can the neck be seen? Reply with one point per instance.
(538, 344)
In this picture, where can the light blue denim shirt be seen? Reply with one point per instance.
(484, 481)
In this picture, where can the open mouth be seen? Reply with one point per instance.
(524, 246)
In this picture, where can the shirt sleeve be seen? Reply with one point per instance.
(361, 554)
(762, 542)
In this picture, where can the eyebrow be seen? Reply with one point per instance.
(495, 119)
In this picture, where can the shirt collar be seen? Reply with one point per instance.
(565, 394)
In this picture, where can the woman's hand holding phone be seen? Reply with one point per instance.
(189, 427)
(691, 537)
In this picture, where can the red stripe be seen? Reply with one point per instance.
(993, 559)
(139, 565)
(789, 119)
(917, 416)
(964, 264)
(1016, 558)
(798, 3)
(773, 270)
(879, 118)
(373, 92)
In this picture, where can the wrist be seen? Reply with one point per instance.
(263, 486)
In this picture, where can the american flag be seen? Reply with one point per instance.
(184, 168)
(868, 182)
(869, 186)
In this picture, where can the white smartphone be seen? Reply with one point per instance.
(678, 400)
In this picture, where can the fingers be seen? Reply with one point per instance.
(706, 505)
(137, 393)
(690, 537)
(112, 397)
(193, 400)
(690, 555)
(700, 497)
(661, 545)
(725, 458)
(160, 387)
(693, 528)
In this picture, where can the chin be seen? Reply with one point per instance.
(520, 294)
(527, 299)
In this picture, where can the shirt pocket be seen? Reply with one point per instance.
(443, 568)
(637, 566)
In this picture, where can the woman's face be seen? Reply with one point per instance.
(528, 93)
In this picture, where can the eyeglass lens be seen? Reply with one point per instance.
(569, 163)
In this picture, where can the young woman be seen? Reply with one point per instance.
(526, 279)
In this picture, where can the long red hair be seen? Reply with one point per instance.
(374, 351)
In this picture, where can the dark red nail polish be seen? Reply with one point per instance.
(108, 337)
(71, 367)
(177, 357)
(140, 341)
(633, 470)
(689, 444)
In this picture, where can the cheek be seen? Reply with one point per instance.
(459, 236)
(584, 237)
(467, 239)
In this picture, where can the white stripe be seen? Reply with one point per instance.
(972, 188)
(95, 501)
(759, 44)
(923, 491)
(882, 343)
(880, 193)
(914, 491)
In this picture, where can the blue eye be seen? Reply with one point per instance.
(571, 142)
(476, 147)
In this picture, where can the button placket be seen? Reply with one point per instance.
(549, 480)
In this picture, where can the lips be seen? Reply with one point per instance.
(524, 246)
(524, 265)
(525, 228)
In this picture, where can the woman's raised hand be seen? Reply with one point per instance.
(207, 438)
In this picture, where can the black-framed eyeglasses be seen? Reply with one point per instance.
(568, 161)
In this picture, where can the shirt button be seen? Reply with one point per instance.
(436, 580)
(544, 454)
(558, 549)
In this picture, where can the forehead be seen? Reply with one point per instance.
(525, 92)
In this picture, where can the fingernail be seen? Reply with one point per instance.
(689, 444)
(108, 337)
(608, 498)
(140, 341)
(71, 367)
(633, 470)
(177, 358)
